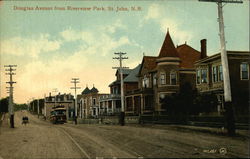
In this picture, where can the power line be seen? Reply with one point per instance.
(10, 91)
(120, 68)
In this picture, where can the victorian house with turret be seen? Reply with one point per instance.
(161, 76)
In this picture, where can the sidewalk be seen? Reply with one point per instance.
(217, 131)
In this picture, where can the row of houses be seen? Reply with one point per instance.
(163, 75)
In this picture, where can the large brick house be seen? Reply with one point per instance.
(209, 79)
(161, 76)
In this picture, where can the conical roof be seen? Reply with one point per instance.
(86, 91)
(94, 90)
(168, 48)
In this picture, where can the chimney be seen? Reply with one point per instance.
(203, 48)
(50, 94)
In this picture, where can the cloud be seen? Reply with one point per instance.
(29, 46)
(39, 76)
(156, 13)
(99, 41)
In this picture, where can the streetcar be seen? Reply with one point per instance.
(58, 115)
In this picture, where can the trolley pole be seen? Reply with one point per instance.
(11, 82)
(229, 114)
(120, 68)
(75, 81)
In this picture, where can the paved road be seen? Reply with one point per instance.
(41, 139)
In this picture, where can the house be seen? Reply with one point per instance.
(111, 104)
(89, 103)
(161, 76)
(209, 79)
(66, 100)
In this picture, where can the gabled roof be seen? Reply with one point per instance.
(168, 49)
(188, 56)
(132, 77)
(148, 63)
(124, 71)
(86, 91)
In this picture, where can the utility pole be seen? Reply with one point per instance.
(229, 115)
(75, 81)
(45, 109)
(38, 107)
(55, 91)
(120, 68)
(11, 82)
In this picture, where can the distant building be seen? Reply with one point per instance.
(66, 100)
(209, 79)
(162, 76)
(89, 103)
(111, 104)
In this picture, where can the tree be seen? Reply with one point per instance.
(4, 102)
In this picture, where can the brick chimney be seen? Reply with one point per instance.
(203, 48)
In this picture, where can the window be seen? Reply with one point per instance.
(163, 78)
(173, 77)
(220, 73)
(204, 76)
(198, 76)
(215, 73)
(145, 82)
(244, 70)
(154, 79)
(94, 101)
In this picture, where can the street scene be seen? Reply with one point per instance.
(124, 79)
(41, 139)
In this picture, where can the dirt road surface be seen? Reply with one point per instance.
(41, 139)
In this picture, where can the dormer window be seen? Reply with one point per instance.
(173, 78)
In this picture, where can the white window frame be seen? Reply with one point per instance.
(220, 76)
(247, 71)
(214, 74)
(154, 80)
(206, 75)
(198, 74)
(171, 73)
(163, 81)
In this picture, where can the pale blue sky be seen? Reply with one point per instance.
(52, 45)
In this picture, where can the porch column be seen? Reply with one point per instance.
(112, 106)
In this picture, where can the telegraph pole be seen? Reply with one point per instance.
(11, 82)
(120, 68)
(45, 109)
(38, 107)
(55, 91)
(229, 115)
(75, 81)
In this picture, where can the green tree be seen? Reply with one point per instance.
(4, 104)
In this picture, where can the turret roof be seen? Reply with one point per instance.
(168, 49)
